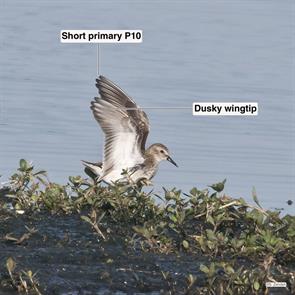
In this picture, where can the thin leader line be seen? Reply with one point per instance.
(102, 156)
(97, 60)
(159, 108)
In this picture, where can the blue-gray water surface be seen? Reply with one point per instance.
(192, 51)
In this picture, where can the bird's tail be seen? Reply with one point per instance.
(94, 170)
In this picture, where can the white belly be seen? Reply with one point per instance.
(113, 176)
(116, 175)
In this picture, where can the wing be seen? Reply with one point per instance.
(118, 98)
(125, 129)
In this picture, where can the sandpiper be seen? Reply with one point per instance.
(126, 128)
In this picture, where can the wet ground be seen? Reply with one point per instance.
(69, 259)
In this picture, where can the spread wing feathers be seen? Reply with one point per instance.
(125, 130)
(117, 97)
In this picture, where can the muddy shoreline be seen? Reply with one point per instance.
(82, 238)
(70, 259)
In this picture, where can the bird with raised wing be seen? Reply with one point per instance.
(126, 128)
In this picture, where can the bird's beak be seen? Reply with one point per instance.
(171, 161)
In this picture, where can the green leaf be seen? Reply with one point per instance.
(210, 220)
(257, 216)
(185, 244)
(86, 218)
(10, 264)
(254, 196)
(194, 191)
(173, 218)
(210, 234)
(212, 269)
(242, 202)
(23, 164)
(138, 229)
(218, 186)
(204, 268)
(229, 269)
(211, 245)
(256, 285)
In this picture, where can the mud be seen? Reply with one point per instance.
(71, 259)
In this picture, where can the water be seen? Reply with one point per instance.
(192, 51)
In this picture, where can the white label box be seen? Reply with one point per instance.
(225, 108)
(101, 36)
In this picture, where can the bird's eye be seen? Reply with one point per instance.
(162, 151)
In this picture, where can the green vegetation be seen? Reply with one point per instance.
(245, 246)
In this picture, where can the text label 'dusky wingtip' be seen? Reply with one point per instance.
(225, 108)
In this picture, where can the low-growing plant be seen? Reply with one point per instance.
(204, 223)
(24, 281)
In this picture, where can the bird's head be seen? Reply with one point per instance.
(160, 152)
